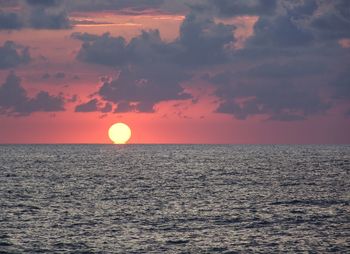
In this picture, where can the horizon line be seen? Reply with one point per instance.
(128, 144)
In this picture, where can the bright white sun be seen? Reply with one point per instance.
(119, 133)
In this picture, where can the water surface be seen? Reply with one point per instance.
(174, 198)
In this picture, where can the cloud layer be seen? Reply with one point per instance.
(14, 100)
(292, 67)
(13, 55)
(41, 14)
(140, 89)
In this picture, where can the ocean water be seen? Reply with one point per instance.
(174, 199)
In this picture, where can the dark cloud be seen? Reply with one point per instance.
(290, 69)
(114, 51)
(275, 70)
(11, 55)
(286, 117)
(101, 5)
(53, 14)
(140, 88)
(44, 2)
(60, 75)
(41, 14)
(231, 8)
(149, 48)
(105, 49)
(341, 86)
(333, 22)
(201, 42)
(279, 31)
(124, 107)
(143, 106)
(290, 58)
(48, 18)
(90, 106)
(89, 22)
(300, 9)
(46, 76)
(302, 24)
(220, 78)
(45, 102)
(10, 21)
(86, 37)
(293, 43)
(93, 106)
(277, 99)
(73, 98)
(14, 100)
(133, 7)
(347, 113)
(107, 108)
(8, 3)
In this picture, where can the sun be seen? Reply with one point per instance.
(119, 133)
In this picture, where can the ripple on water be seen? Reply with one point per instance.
(174, 199)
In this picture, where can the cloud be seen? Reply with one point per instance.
(85, 37)
(90, 106)
(46, 75)
(290, 69)
(101, 5)
(341, 86)
(11, 55)
(48, 17)
(133, 7)
(9, 21)
(293, 43)
(41, 14)
(107, 108)
(60, 75)
(302, 24)
(286, 117)
(229, 8)
(105, 49)
(279, 31)
(43, 2)
(93, 106)
(73, 98)
(277, 99)
(201, 42)
(149, 48)
(347, 113)
(56, 76)
(14, 100)
(124, 107)
(54, 14)
(140, 88)
(333, 22)
(286, 61)
(114, 51)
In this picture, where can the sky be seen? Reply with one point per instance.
(195, 71)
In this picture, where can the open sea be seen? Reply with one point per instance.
(174, 198)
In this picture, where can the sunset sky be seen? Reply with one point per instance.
(186, 71)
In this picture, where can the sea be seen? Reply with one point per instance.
(174, 199)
